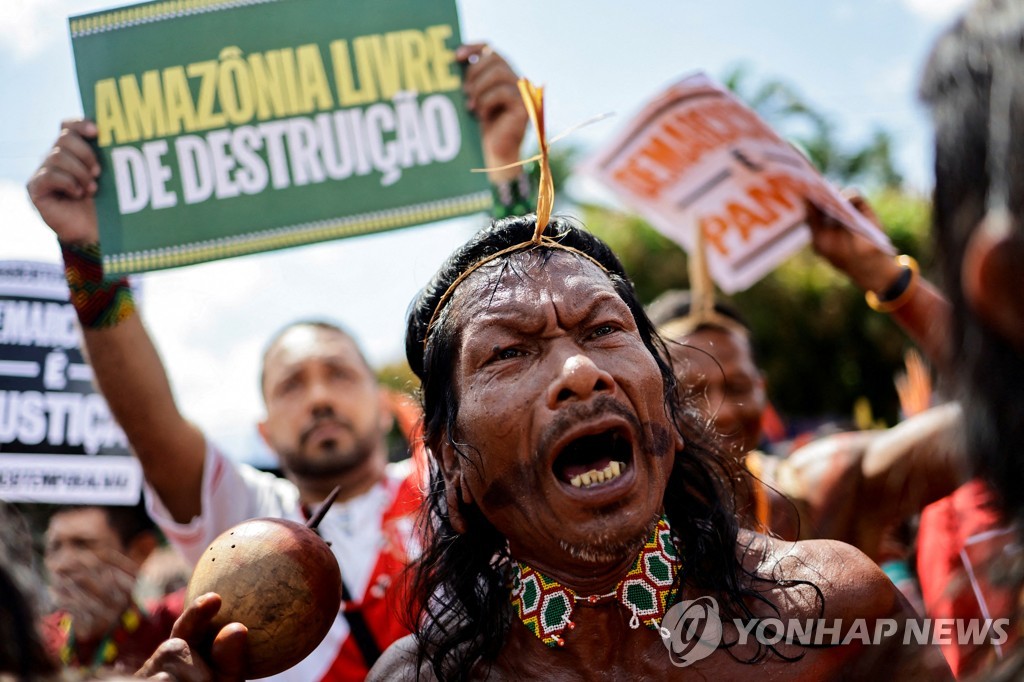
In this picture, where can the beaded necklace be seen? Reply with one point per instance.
(545, 606)
(108, 648)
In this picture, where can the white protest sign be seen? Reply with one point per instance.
(696, 157)
(58, 441)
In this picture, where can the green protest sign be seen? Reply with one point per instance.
(229, 127)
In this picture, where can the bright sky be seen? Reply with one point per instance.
(856, 60)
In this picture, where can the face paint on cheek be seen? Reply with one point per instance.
(660, 440)
(498, 495)
(502, 493)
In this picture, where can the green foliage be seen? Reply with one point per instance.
(907, 219)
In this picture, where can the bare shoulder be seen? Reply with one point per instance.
(828, 574)
(858, 612)
(399, 662)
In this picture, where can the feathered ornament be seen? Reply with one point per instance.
(914, 386)
(533, 98)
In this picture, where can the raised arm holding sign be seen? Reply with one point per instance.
(325, 412)
(890, 285)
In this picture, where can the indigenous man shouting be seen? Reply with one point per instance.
(573, 504)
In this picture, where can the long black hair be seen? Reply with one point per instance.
(982, 51)
(461, 580)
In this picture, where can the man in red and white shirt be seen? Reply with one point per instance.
(327, 418)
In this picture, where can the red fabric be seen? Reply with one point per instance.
(132, 649)
(386, 602)
(960, 535)
(772, 428)
(387, 597)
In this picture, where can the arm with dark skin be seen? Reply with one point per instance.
(908, 467)
(855, 486)
(125, 362)
(925, 317)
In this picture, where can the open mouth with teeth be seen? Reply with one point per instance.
(594, 460)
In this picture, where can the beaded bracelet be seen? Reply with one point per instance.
(513, 197)
(98, 302)
(900, 292)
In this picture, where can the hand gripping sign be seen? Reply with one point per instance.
(230, 127)
(696, 158)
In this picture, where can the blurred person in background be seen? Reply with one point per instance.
(853, 486)
(192, 653)
(969, 558)
(93, 555)
(973, 86)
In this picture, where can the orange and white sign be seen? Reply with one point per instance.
(697, 158)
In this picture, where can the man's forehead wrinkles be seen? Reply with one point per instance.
(506, 319)
(529, 297)
(510, 296)
(488, 303)
(529, 267)
(535, 315)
